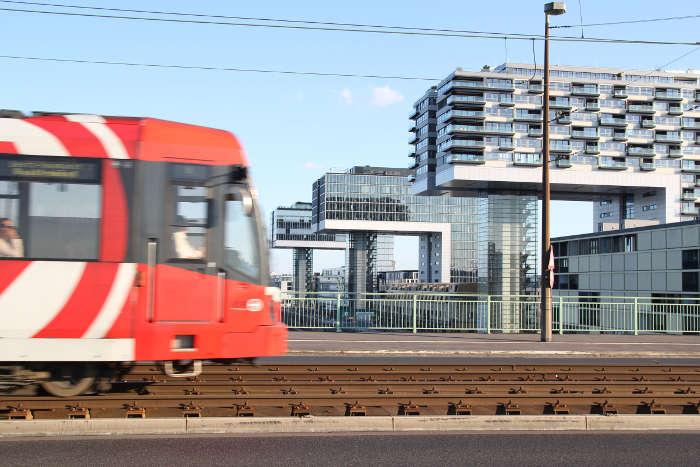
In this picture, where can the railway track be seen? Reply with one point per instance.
(366, 390)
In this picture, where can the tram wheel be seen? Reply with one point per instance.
(70, 380)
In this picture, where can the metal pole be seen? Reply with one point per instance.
(488, 314)
(415, 313)
(561, 315)
(338, 316)
(636, 316)
(546, 292)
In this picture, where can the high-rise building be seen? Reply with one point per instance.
(291, 228)
(628, 140)
(487, 240)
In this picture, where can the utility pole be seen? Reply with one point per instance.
(552, 8)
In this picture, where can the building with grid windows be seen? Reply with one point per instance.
(486, 240)
(629, 140)
(291, 228)
(658, 266)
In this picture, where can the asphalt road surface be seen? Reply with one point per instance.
(429, 449)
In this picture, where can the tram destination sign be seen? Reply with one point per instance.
(45, 169)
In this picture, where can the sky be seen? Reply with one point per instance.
(295, 128)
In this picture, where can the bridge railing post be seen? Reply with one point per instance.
(338, 314)
(414, 315)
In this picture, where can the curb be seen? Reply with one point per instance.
(311, 424)
(495, 353)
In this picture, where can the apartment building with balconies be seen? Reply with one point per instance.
(628, 140)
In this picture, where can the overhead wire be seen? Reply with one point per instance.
(216, 68)
(328, 27)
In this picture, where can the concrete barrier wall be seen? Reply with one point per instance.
(230, 425)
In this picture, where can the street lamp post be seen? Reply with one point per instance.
(552, 8)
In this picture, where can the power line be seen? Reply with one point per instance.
(216, 68)
(362, 29)
(631, 21)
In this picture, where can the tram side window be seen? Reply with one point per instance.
(189, 226)
(241, 238)
(49, 220)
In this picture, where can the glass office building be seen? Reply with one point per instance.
(485, 240)
(628, 140)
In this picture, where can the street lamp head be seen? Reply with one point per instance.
(554, 8)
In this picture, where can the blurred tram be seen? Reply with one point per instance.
(125, 240)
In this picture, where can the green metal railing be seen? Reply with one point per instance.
(450, 312)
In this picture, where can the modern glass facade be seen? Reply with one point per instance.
(615, 134)
(492, 237)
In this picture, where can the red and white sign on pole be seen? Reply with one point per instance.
(550, 267)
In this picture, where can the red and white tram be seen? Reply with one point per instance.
(123, 240)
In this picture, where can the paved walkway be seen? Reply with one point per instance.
(494, 345)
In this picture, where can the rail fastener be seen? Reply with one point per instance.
(300, 410)
(190, 410)
(459, 408)
(18, 412)
(244, 410)
(408, 408)
(355, 410)
(77, 412)
(134, 411)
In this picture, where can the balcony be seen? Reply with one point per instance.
(589, 90)
(480, 129)
(690, 166)
(560, 104)
(668, 95)
(465, 159)
(456, 100)
(412, 126)
(563, 162)
(454, 114)
(561, 146)
(620, 136)
(488, 83)
(528, 117)
(412, 138)
(462, 144)
(668, 138)
(564, 119)
(647, 165)
(620, 93)
(648, 123)
(528, 159)
(506, 100)
(689, 196)
(689, 209)
(675, 110)
(641, 108)
(534, 132)
(588, 133)
(612, 163)
(675, 153)
(640, 151)
(690, 124)
(535, 88)
(613, 121)
(592, 106)
(592, 149)
(506, 145)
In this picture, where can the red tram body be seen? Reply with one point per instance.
(140, 240)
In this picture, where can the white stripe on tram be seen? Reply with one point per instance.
(98, 127)
(114, 303)
(30, 139)
(36, 296)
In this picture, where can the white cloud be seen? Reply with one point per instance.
(311, 165)
(346, 95)
(385, 96)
